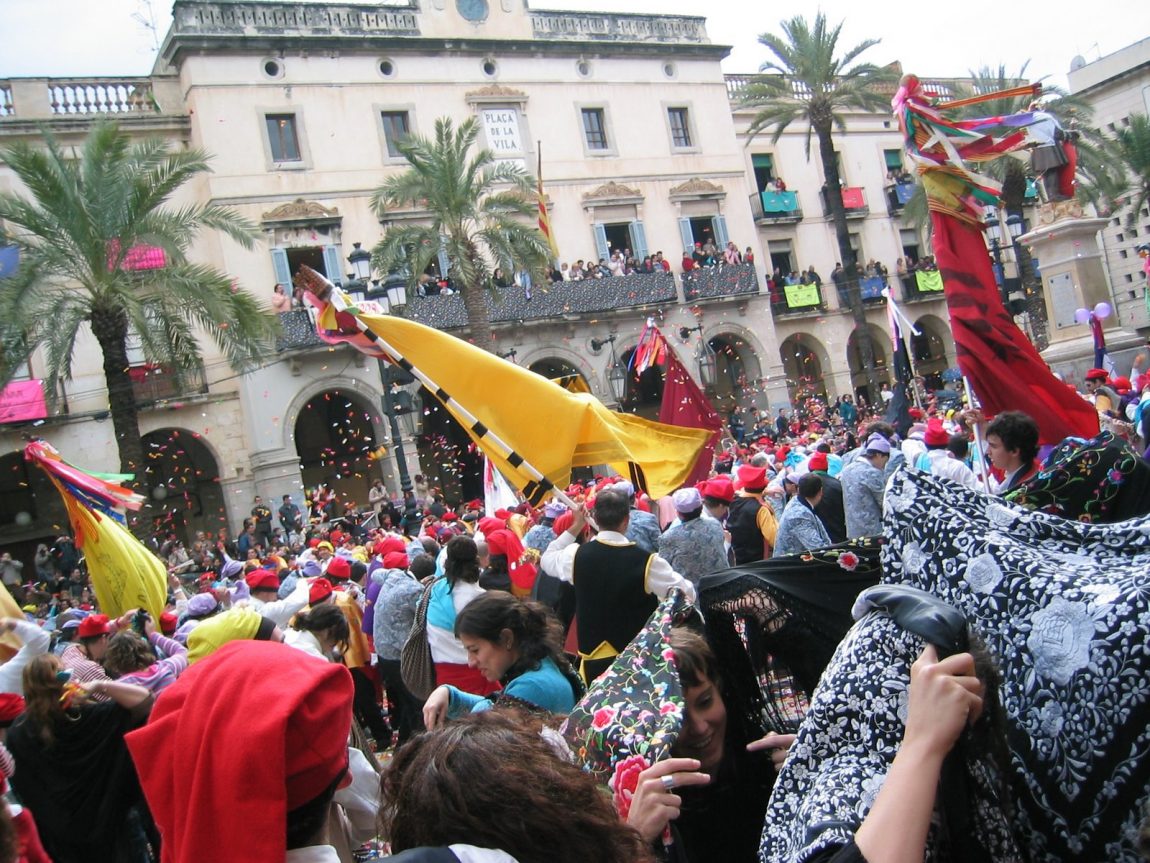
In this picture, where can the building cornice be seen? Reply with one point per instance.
(204, 26)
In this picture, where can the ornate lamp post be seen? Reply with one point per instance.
(704, 356)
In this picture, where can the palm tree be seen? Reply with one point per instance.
(478, 224)
(81, 218)
(809, 82)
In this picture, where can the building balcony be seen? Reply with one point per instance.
(707, 283)
(157, 383)
(921, 286)
(773, 208)
(298, 331)
(898, 195)
(854, 202)
(72, 104)
(26, 401)
(796, 301)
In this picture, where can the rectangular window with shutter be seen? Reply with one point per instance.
(680, 127)
(594, 129)
(396, 127)
(283, 138)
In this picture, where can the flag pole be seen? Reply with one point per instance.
(341, 302)
(970, 400)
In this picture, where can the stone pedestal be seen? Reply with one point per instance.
(1065, 243)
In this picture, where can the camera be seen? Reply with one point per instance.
(140, 618)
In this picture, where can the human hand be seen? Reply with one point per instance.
(654, 803)
(945, 696)
(778, 744)
(149, 627)
(580, 520)
(435, 708)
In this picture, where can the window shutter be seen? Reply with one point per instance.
(601, 241)
(638, 240)
(281, 268)
(333, 263)
(686, 234)
(720, 226)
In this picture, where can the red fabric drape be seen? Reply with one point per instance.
(1004, 369)
(685, 405)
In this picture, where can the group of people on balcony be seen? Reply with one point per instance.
(621, 262)
(707, 254)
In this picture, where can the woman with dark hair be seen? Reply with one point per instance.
(72, 767)
(321, 631)
(448, 596)
(715, 787)
(517, 644)
(473, 782)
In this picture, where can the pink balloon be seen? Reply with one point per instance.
(1082, 316)
(1102, 311)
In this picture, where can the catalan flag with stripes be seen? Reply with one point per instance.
(544, 216)
(124, 573)
(533, 430)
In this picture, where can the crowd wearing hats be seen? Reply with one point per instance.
(289, 667)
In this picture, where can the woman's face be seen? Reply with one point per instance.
(492, 659)
(704, 726)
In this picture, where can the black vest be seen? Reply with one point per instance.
(746, 539)
(611, 599)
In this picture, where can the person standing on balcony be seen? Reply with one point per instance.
(813, 278)
(731, 254)
(281, 300)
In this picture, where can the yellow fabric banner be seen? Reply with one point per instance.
(543, 423)
(124, 573)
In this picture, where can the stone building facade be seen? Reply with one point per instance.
(642, 146)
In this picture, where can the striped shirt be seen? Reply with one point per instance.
(163, 673)
(84, 670)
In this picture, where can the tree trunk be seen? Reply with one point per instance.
(111, 331)
(834, 198)
(475, 303)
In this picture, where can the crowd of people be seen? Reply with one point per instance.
(403, 686)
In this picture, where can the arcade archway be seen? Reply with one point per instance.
(932, 351)
(182, 483)
(805, 361)
(561, 371)
(336, 443)
(737, 374)
(881, 344)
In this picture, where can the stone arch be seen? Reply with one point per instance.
(643, 392)
(182, 483)
(337, 433)
(738, 370)
(806, 364)
(551, 363)
(371, 394)
(880, 339)
(932, 352)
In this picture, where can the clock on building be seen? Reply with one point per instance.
(472, 10)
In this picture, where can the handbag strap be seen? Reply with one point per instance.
(421, 608)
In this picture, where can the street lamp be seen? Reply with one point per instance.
(360, 260)
(392, 297)
(995, 232)
(704, 355)
(616, 374)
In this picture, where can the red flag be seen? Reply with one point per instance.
(684, 405)
(544, 216)
(1002, 365)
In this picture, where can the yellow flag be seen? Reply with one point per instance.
(9, 643)
(542, 423)
(124, 573)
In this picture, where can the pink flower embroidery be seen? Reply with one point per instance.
(849, 561)
(624, 782)
(668, 707)
(668, 655)
(602, 718)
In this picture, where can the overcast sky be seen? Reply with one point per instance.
(105, 37)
